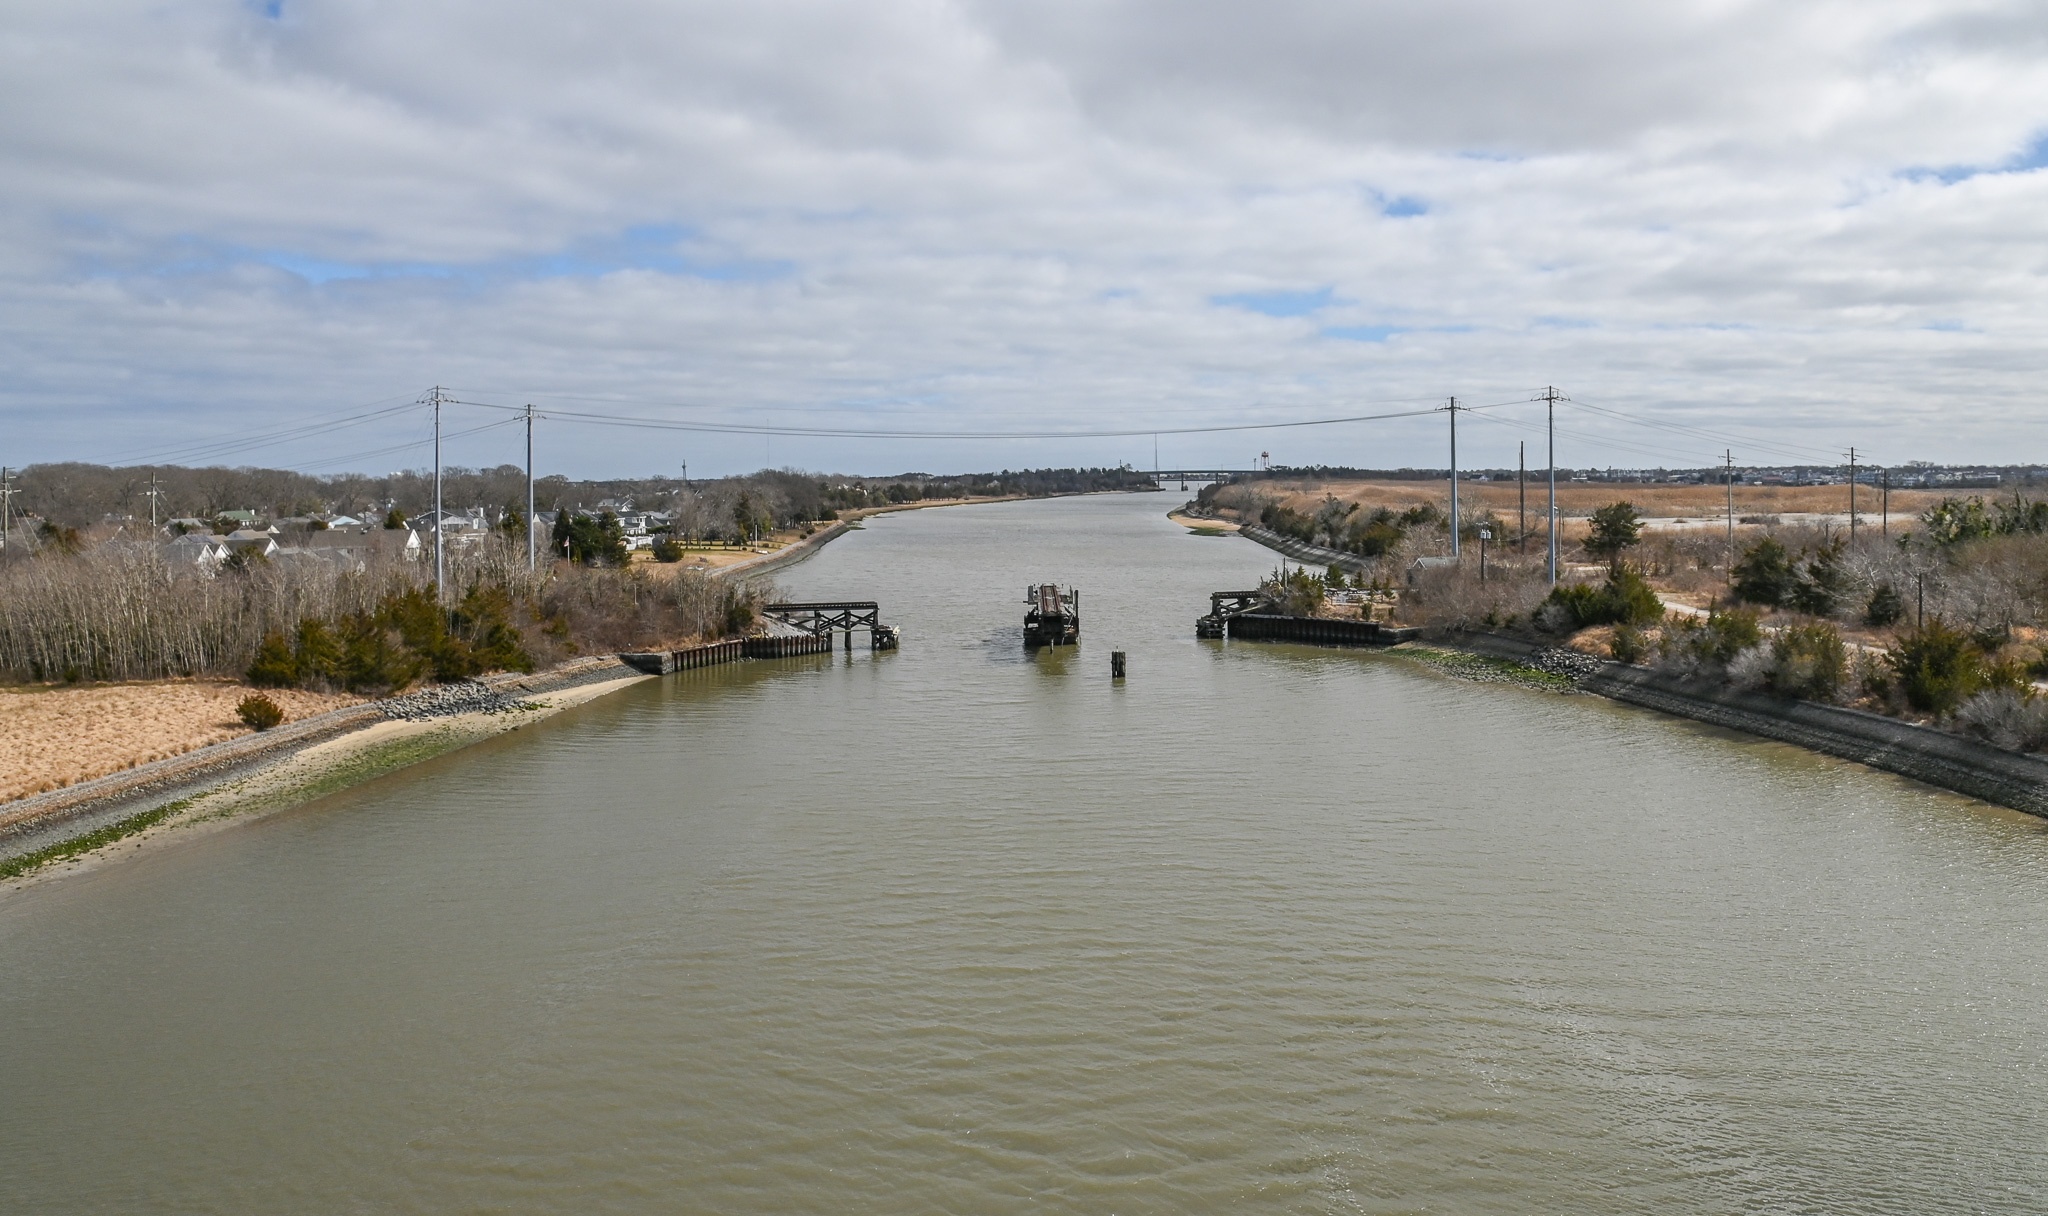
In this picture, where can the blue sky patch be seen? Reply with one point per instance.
(1403, 207)
(2029, 158)
(1279, 303)
(1362, 333)
(659, 248)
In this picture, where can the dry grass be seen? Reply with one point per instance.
(1582, 498)
(57, 737)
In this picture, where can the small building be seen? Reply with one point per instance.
(361, 547)
(201, 551)
(259, 542)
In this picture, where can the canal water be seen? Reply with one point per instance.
(956, 929)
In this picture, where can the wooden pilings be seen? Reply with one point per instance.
(711, 654)
(785, 647)
(1116, 665)
(1315, 630)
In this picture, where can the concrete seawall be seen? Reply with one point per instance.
(1935, 757)
(788, 555)
(1302, 551)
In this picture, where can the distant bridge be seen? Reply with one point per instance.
(1197, 474)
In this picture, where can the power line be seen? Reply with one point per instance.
(723, 428)
(1783, 447)
(223, 447)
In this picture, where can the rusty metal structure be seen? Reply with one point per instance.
(1054, 618)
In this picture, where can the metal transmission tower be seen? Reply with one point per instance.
(1550, 398)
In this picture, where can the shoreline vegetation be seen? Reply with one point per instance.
(1933, 617)
(379, 634)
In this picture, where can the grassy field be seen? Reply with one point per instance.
(1578, 499)
(57, 736)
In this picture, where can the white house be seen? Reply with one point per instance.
(201, 551)
(261, 543)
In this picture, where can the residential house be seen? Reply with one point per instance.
(250, 541)
(201, 551)
(359, 548)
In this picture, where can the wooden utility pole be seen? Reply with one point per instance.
(1852, 495)
(1728, 477)
(1453, 408)
(1522, 493)
(440, 558)
(1551, 397)
(532, 557)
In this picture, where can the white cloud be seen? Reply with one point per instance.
(1817, 219)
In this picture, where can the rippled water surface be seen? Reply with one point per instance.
(1263, 929)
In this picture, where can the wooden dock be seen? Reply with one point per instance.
(710, 654)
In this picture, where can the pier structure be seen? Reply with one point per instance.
(1236, 615)
(826, 617)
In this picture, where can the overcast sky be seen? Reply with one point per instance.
(1815, 224)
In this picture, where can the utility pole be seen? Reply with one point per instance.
(1551, 398)
(440, 559)
(1884, 499)
(1728, 478)
(1852, 495)
(154, 494)
(1453, 408)
(1522, 493)
(6, 508)
(532, 557)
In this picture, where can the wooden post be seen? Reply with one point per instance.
(1116, 664)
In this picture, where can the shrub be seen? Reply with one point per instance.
(370, 663)
(1614, 528)
(1764, 574)
(1884, 607)
(259, 712)
(1288, 522)
(317, 656)
(1823, 584)
(1808, 662)
(1628, 645)
(739, 613)
(275, 665)
(1375, 534)
(667, 549)
(1624, 599)
(1295, 593)
(1955, 520)
(1690, 642)
(2006, 717)
(1938, 667)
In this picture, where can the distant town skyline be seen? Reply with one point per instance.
(1806, 225)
